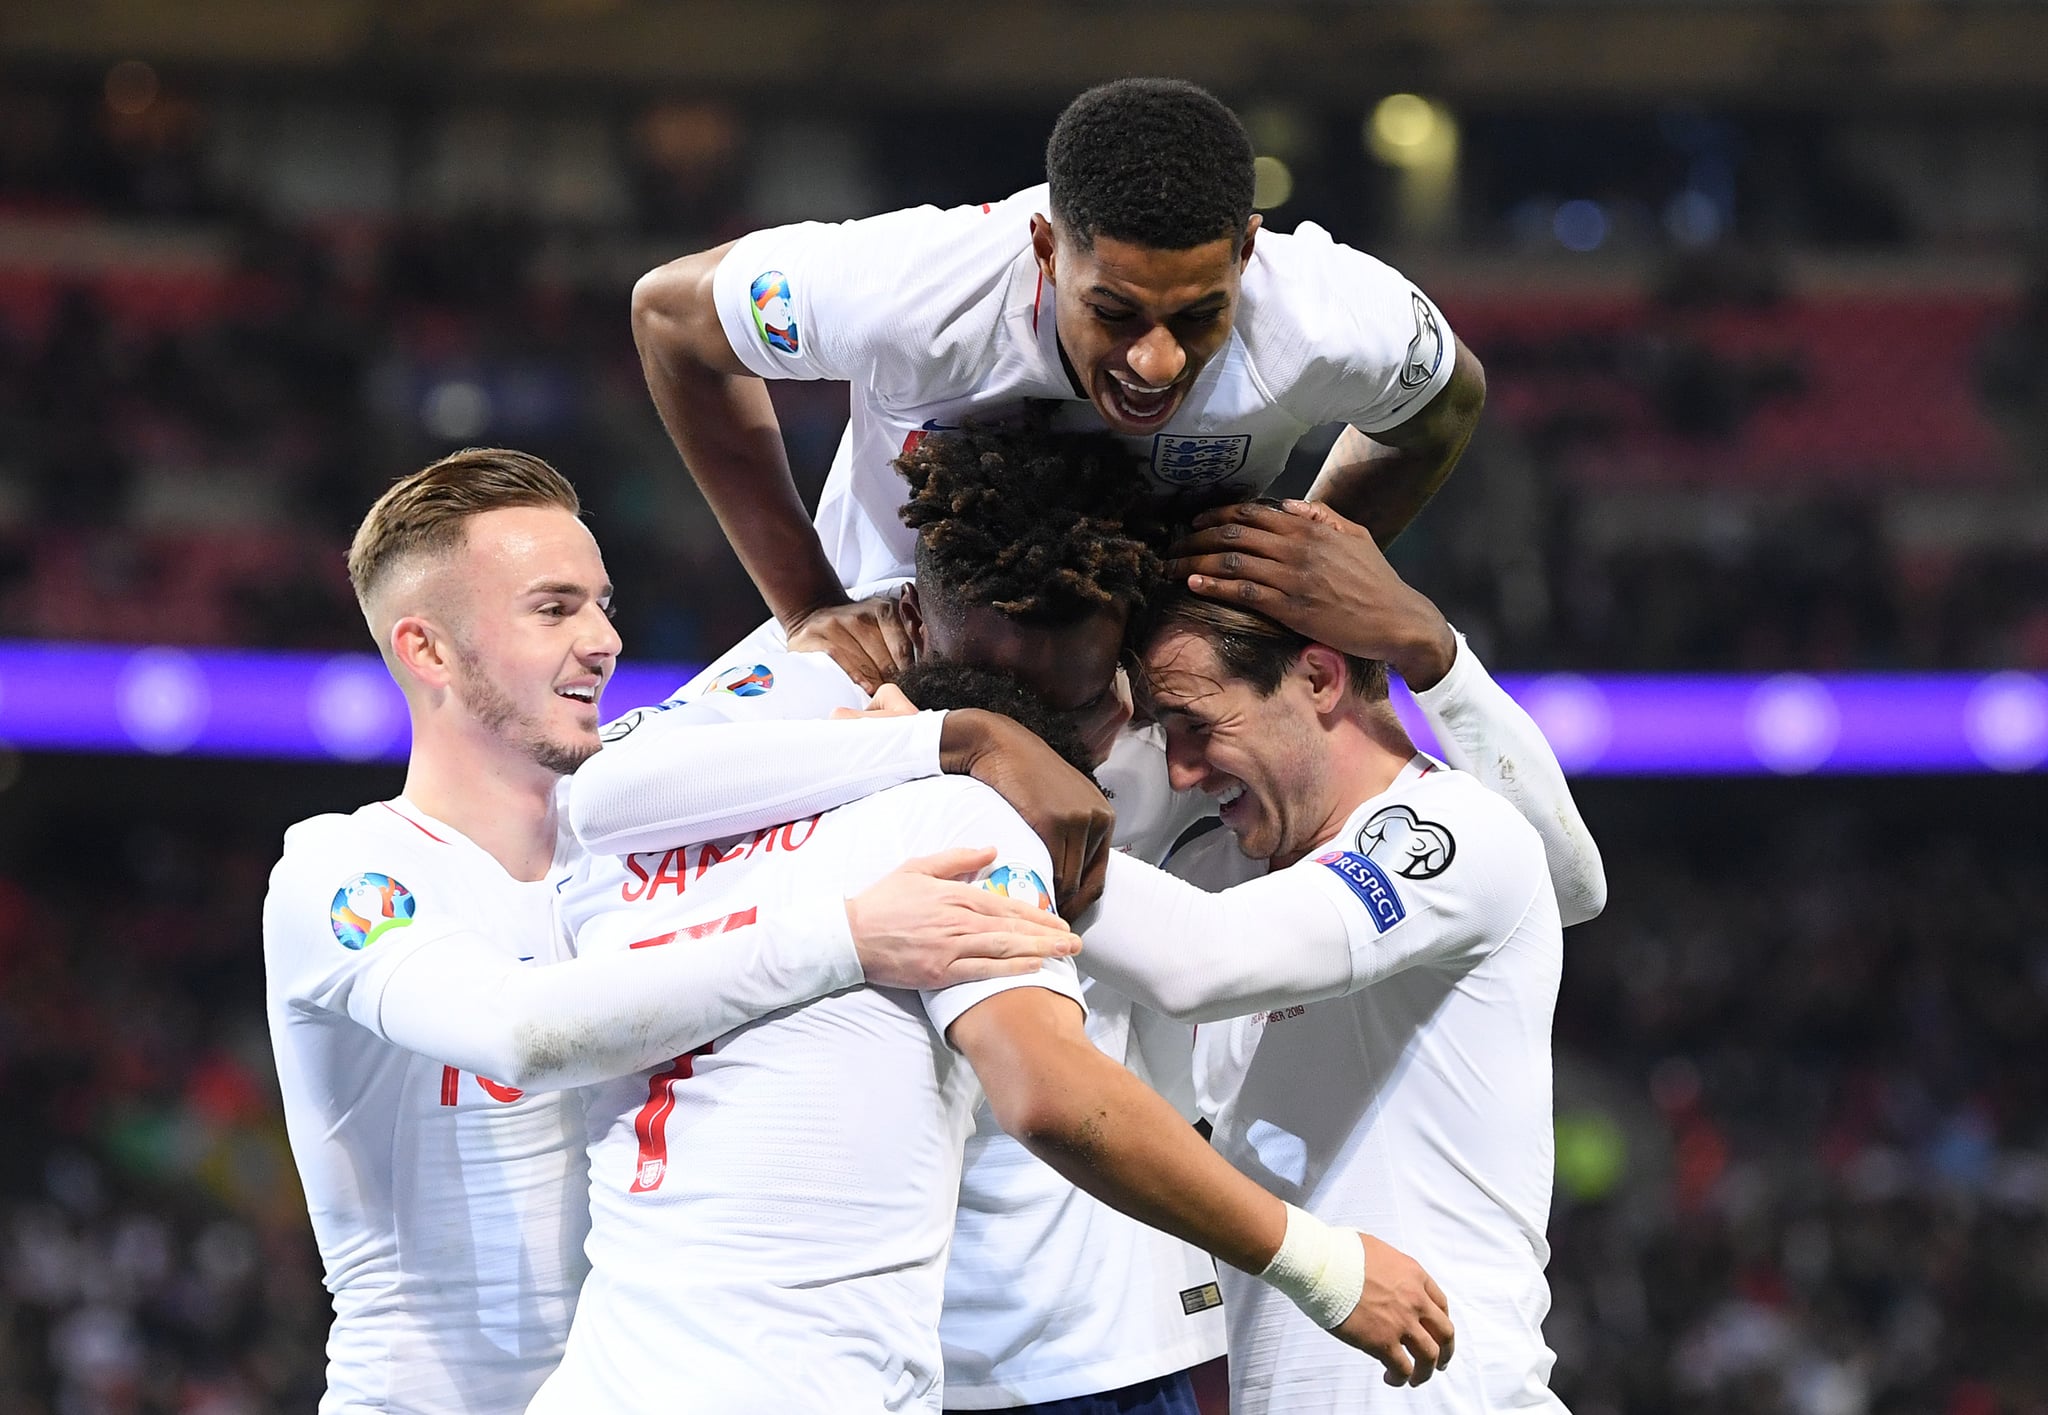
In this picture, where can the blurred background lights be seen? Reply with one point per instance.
(2006, 721)
(1272, 183)
(1574, 715)
(1403, 126)
(354, 709)
(1793, 723)
(162, 700)
(131, 87)
(1580, 225)
(1418, 138)
(1693, 219)
(457, 410)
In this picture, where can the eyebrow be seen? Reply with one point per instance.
(1214, 297)
(566, 587)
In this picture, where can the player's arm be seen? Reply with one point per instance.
(464, 1003)
(693, 772)
(808, 301)
(718, 414)
(1101, 1128)
(1323, 576)
(1329, 925)
(1384, 479)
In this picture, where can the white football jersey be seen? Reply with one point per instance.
(449, 1209)
(1050, 1293)
(937, 316)
(1417, 1107)
(770, 1215)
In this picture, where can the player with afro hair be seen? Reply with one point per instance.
(1043, 527)
(1035, 549)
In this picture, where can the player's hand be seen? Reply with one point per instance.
(920, 927)
(1402, 1320)
(866, 637)
(1062, 806)
(1320, 575)
(888, 701)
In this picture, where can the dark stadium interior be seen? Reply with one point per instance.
(1768, 369)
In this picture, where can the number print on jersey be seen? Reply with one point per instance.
(650, 1126)
(451, 1088)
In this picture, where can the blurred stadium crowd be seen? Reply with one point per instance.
(1714, 455)
(1803, 1132)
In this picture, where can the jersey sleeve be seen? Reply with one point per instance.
(1400, 890)
(875, 301)
(1432, 878)
(1376, 348)
(755, 749)
(592, 1018)
(1200, 957)
(967, 813)
(345, 908)
(1488, 734)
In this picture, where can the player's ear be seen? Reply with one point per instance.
(1325, 674)
(1251, 232)
(1042, 243)
(911, 612)
(422, 650)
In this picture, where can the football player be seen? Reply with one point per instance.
(420, 1040)
(1025, 562)
(1136, 291)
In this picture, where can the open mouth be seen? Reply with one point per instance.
(1140, 405)
(1233, 804)
(584, 693)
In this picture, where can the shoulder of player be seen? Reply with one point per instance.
(1481, 825)
(782, 678)
(378, 828)
(326, 856)
(940, 813)
(1297, 323)
(953, 795)
(924, 288)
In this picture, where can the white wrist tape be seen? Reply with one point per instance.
(1319, 1268)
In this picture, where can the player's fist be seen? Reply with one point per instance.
(1402, 1319)
(866, 637)
(920, 927)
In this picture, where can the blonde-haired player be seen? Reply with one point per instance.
(422, 1037)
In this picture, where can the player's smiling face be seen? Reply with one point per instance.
(534, 645)
(1259, 756)
(1137, 323)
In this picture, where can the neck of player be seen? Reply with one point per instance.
(466, 777)
(1363, 755)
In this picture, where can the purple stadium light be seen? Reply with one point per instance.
(342, 707)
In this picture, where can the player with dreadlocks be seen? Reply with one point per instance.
(792, 1252)
(1051, 1298)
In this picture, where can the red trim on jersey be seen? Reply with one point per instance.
(986, 208)
(726, 925)
(650, 1126)
(451, 1083)
(411, 822)
(1036, 296)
